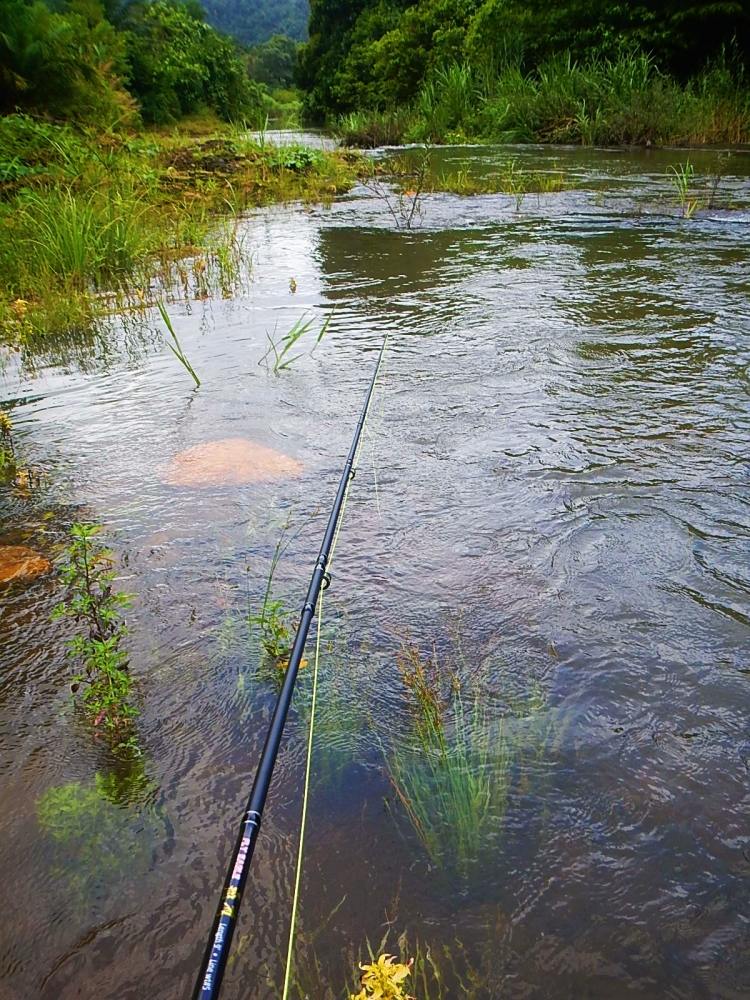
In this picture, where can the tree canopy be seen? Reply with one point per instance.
(84, 61)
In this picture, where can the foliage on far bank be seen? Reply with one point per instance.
(511, 71)
(620, 101)
(377, 54)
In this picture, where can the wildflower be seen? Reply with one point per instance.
(6, 425)
(383, 980)
(20, 307)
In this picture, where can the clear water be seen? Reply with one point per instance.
(555, 476)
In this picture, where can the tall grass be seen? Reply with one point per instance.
(88, 222)
(621, 101)
(371, 129)
(83, 238)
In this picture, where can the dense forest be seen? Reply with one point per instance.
(253, 21)
(376, 53)
(85, 62)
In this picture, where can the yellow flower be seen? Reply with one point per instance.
(20, 307)
(382, 980)
(6, 424)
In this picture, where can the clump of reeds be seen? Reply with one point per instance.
(452, 779)
(453, 776)
(7, 448)
(372, 129)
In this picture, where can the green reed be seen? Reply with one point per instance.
(176, 347)
(280, 350)
(683, 176)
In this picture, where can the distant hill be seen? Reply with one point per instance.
(254, 21)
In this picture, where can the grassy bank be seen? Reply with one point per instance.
(90, 223)
(624, 101)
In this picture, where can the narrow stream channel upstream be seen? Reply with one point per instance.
(554, 494)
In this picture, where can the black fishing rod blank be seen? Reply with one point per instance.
(209, 981)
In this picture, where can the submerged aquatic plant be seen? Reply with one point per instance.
(454, 776)
(96, 607)
(100, 836)
(176, 347)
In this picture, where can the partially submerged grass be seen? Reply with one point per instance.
(280, 348)
(89, 222)
(175, 347)
(436, 972)
(509, 179)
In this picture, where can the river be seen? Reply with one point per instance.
(553, 494)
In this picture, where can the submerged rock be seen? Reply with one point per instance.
(18, 562)
(230, 462)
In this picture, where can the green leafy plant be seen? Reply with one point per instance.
(7, 449)
(176, 347)
(95, 607)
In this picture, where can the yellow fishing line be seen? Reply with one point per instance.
(311, 733)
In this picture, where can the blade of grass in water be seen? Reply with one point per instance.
(176, 348)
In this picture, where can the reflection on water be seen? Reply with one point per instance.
(555, 474)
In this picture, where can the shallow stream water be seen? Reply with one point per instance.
(554, 481)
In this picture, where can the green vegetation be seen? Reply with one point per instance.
(93, 604)
(175, 347)
(682, 179)
(82, 62)
(274, 620)
(7, 448)
(625, 100)
(281, 348)
(100, 834)
(453, 777)
(500, 70)
(88, 220)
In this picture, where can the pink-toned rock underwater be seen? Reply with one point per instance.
(230, 462)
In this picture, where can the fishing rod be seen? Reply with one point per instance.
(209, 981)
